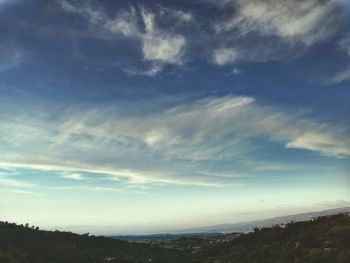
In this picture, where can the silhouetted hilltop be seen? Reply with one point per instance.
(29, 245)
(320, 240)
(245, 227)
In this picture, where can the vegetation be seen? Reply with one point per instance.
(23, 244)
(325, 239)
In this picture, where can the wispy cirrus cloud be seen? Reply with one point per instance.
(22, 192)
(150, 39)
(15, 183)
(272, 29)
(10, 56)
(343, 74)
(239, 32)
(159, 46)
(307, 22)
(162, 147)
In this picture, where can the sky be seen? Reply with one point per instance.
(152, 116)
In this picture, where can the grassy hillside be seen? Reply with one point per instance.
(326, 239)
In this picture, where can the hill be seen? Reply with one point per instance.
(320, 240)
(22, 244)
(245, 227)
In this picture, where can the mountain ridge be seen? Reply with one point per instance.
(248, 226)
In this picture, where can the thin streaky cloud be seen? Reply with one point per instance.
(22, 192)
(191, 132)
(15, 183)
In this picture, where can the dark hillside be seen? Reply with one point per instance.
(322, 240)
(24, 244)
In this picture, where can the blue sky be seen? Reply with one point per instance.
(149, 116)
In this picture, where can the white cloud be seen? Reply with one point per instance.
(327, 144)
(255, 31)
(151, 71)
(160, 147)
(158, 46)
(344, 45)
(134, 176)
(296, 21)
(163, 48)
(73, 176)
(15, 183)
(124, 23)
(95, 16)
(271, 30)
(225, 56)
(179, 16)
(341, 76)
(16, 191)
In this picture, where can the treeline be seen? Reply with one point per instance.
(322, 240)
(24, 244)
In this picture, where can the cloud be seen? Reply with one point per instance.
(94, 15)
(326, 144)
(307, 22)
(73, 176)
(22, 192)
(159, 46)
(236, 71)
(166, 147)
(344, 74)
(344, 45)
(225, 56)
(106, 189)
(10, 56)
(125, 23)
(341, 76)
(238, 31)
(270, 30)
(150, 71)
(163, 48)
(133, 176)
(15, 183)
